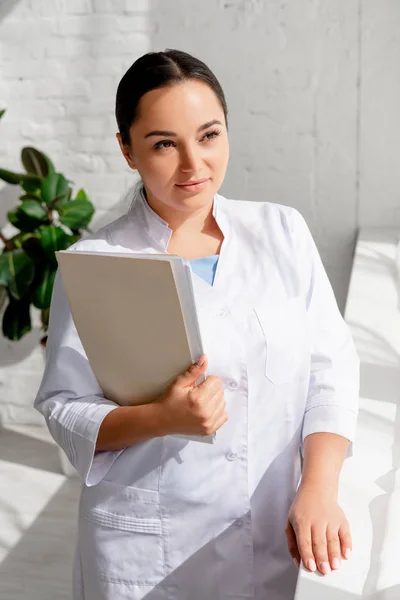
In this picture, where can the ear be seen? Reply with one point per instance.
(126, 151)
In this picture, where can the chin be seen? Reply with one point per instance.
(201, 199)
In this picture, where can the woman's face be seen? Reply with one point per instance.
(179, 135)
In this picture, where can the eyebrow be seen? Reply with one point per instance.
(172, 134)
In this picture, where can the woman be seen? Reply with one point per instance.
(163, 517)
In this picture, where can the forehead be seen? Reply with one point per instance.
(189, 103)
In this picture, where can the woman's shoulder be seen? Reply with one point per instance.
(273, 214)
(102, 238)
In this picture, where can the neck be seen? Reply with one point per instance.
(182, 222)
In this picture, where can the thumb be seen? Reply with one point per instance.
(192, 374)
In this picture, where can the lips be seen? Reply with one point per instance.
(188, 183)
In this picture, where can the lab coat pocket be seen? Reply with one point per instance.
(121, 534)
(284, 327)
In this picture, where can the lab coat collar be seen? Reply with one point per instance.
(158, 229)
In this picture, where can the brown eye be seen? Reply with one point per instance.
(160, 146)
(212, 135)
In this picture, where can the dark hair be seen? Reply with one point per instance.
(154, 70)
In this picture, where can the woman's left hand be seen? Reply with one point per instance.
(317, 530)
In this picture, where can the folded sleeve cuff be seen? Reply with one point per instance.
(78, 440)
(330, 418)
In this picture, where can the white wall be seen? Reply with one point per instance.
(312, 92)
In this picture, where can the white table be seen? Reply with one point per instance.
(370, 481)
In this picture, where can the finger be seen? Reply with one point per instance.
(213, 425)
(209, 386)
(212, 408)
(221, 421)
(192, 374)
(304, 544)
(203, 395)
(213, 402)
(334, 549)
(218, 400)
(346, 542)
(214, 415)
(320, 549)
(292, 544)
(219, 410)
(219, 415)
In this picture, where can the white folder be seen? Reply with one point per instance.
(136, 318)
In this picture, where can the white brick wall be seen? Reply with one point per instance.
(311, 87)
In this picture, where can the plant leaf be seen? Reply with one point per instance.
(13, 218)
(76, 214)
(32, 246)
(54, 186)
(17, 319)
(81, 195)
(30, 196)
(2, 112)
(5, 272)
(10, 177)
(17, 271)
(36, 162)
(52, 239)
(30, 183)
(23, 271)
(33, 209)
(44, 289)
(28, 216)
(30, 243)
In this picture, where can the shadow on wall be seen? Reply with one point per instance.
(6, 6)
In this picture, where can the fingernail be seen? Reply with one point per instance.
(296, 562)
(325, 567)
(336, 563)
(311, 565)
(201, 360)
(347, 553)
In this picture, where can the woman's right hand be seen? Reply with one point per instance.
(193, 410)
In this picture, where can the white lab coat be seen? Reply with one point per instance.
(175, 519)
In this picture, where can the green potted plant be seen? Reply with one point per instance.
(49, 217)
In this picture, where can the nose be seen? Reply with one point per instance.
(189, 160)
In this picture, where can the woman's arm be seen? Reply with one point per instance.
(128, 425)
(317, 530)
(324, 455)
(183, 408)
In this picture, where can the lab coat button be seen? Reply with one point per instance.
(233, 385)
(231, 456)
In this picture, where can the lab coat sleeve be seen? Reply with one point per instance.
(69, 396)
(332, 400)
